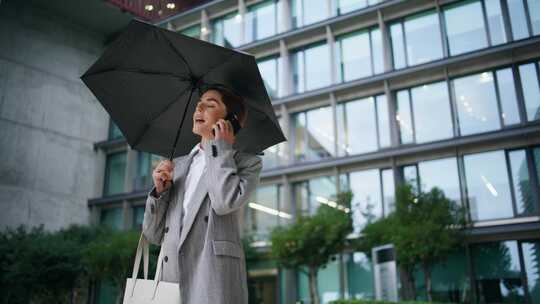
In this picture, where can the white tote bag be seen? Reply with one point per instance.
(139, 291)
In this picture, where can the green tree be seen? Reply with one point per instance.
(424, 228)
(312, 240)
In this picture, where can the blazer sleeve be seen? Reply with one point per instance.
(154, 215)
(230, 184)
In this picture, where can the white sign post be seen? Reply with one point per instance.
(385, 273)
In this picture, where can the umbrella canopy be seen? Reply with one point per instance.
(149, 81)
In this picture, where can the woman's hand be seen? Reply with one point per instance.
(224, 129)
(163, 175)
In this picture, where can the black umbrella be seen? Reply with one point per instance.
(146, 81)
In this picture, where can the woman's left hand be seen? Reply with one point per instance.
(224, 129)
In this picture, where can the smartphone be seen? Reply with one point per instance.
(234, 121)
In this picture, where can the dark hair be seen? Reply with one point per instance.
(233, 102)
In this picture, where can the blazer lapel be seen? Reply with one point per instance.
(201, 190)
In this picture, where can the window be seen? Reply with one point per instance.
(313, 134)
(114, 131)
(522, 184)
(111, 217)
(428, 175)
(138, 216)
(423, 113)
(465, 27)
(346, 6)
(145, 164)
(495, 21)
(261, 21)
(416, 40)
(226, 31)
(531, 89)
(520, 11)
(311, 193)
(311, 68)
(275, 155)
(531, 261)
(328, 279)
(359, 276)
(115, 168)
(359, 54)
(192, 31)
(269, 69)
(365, 118)
(371, 195)
(498, 272)
(306, 12)
(478, 97)
(264, 211)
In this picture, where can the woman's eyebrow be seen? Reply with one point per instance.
(209, 99)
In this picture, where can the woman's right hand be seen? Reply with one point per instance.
(163, 176)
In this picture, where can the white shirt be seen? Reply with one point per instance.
(196, 170)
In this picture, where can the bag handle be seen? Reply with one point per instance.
(143, 249)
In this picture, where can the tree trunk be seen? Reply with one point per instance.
(313, 290)
(427, 278)
(408, 290)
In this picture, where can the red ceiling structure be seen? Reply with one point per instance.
(155, 10)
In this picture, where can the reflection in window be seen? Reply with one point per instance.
(431, 111)
(498, 272)
(531, 260)
(115, 169)
(192, 31)
(416, 40)
(497, 30)
(310, 194)
(269, 69)
(311, 68)
(359, 276)
(430, 176)
(111, 217)
(523, 187)
(145, 164)
(488, 187)
(263, 211)
(368, 194)
(313, 134)
(226, 30)
(359, 54)
(361, 119)
(465, 27)
(476, 103)
(261, 21)
(275, 156)
(534, 14)
(531, 90)
(507, 96)
(138, 216)
(518, 19)
(327, 279)
(114, 131)
(306, 12)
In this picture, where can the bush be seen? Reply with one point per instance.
(377, 302)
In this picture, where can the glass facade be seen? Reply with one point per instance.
(305, 12)
(465, 28)
(261, 20)
(359, 54)
(275, 155)
(365, 118)
(115, 170)
(192, 31)
(265, 211)
(309, 194)
(359, 275)
(114, 131)
(226, 30)
(373, 191)
(111, 217)
(311, 67)
(414, 40)
(145, 164)
(423, 113)
(327, 283)
(269, 69)
(530, 86)
(313, 134)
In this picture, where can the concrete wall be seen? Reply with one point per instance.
(49, 120)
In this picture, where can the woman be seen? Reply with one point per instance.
(194, 208)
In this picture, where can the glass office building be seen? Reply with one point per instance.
(371, 94)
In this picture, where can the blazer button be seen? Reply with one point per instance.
(152, 209)
(166, 258)
(206, 218)
(166, 229)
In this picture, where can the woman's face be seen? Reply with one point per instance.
(210, 108)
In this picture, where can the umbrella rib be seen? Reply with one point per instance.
(139, 71)
(152, 119)
(176, 52)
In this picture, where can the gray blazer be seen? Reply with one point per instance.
(205, 255)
